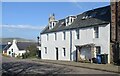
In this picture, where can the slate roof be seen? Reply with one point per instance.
(99, 16)
(24, 45)
(7, 47)
(2, 46)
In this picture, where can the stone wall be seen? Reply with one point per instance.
(118, 22)
(115, 31)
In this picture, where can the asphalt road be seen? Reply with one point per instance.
(12, 66)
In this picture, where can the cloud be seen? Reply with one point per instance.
(23, 27)
(76, 3)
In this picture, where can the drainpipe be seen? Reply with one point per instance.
(70, 45)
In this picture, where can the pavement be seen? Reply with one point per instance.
(102, 67)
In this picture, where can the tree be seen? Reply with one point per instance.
(32, 51)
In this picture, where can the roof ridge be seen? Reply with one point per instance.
(96, 17)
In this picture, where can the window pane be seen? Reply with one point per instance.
(77, 33)
(64, 52)
(9, 52)
(47, 37)
(96, 32)
(45, 50)
(55, 36)
(98, 50)
(64, 35)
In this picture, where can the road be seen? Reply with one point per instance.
(26, 66)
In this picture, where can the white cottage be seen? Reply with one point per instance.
(15, 48)
(77, 38)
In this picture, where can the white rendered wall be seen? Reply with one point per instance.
(86, 37)
(15, 49)
(52, 44)
(22, 52)
(104, 40)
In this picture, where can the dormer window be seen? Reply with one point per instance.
(52, 24)
(86, 17)
(69, 20)
(83, 17)
(90, 16)
(52, 21)
(62, 24)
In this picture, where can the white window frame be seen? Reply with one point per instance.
(64, 52)
(45, 50)
(55, 36)
(77, 34)
(64, 35)
(47, 37)
(96, 32)
(98, 50)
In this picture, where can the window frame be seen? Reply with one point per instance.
(64, 52)
(9, 52)
(45, 50)
(64, 35)
(77, 34)
(55, 36)
(98, 50)
(71, 20)
(47, 37)
(12, 50)
(96, 32)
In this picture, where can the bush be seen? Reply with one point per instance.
(32, 51)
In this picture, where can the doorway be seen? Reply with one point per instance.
(56, 53)
(39, 54)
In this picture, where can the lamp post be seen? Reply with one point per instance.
(37, 53)
(38, 40)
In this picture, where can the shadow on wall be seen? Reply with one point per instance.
(74, 55)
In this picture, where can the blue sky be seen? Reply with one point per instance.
(27, 19)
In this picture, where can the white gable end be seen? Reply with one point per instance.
(13, 50)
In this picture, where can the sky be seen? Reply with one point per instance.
(27, 19)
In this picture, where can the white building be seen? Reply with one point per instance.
(15, 48)
(77, 38)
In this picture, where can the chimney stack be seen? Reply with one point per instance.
(14, 41)
(115, 20)
(9, 43)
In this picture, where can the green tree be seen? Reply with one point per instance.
(32, 51)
